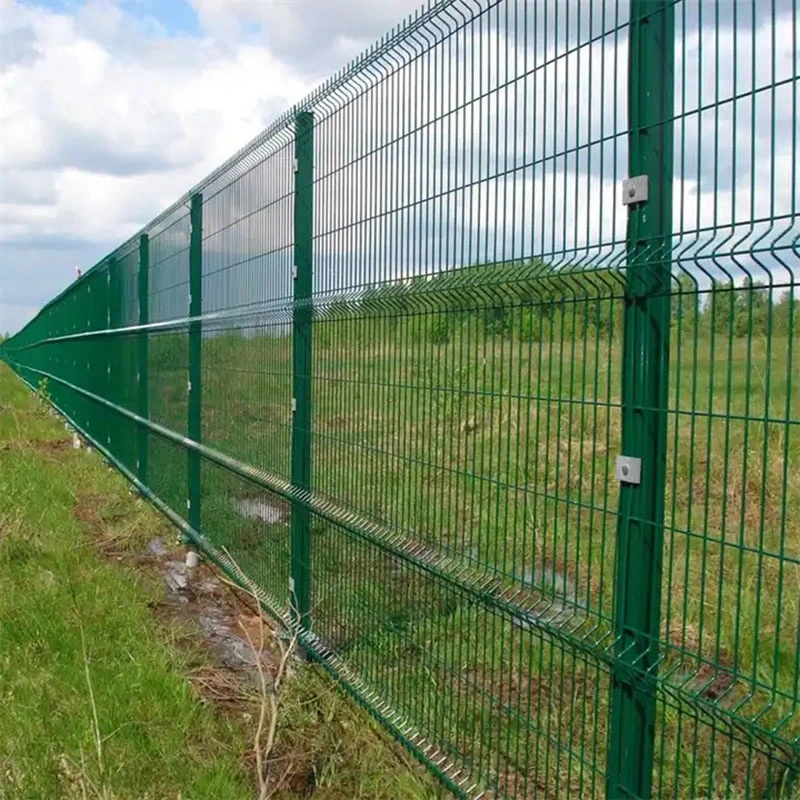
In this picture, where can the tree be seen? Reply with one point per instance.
(719, 311)
(752, 307)
(685, 306)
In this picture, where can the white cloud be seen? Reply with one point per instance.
(104, 121)
(93, 142)
(309, 34)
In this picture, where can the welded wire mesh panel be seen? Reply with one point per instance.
(121, 346)
(247, 282)
(730, 636)
(168, 300)
(95, 379)
(466, 383)
(247, 290)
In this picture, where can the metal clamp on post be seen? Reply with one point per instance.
(629, 469)
(635, 190)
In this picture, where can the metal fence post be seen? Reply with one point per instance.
(645, 375)
(95, 316)
(300, 579)
(114, 356)
(106, 345)
(142, 404)
(195, 354)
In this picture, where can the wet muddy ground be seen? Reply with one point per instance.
(202, 603)
(227, 618)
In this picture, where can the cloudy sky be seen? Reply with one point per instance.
(110, 109)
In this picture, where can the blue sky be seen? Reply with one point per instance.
(176, 16)
(110, 109)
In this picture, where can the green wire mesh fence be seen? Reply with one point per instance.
(481, 364)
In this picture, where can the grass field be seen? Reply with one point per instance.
(69, 621)
(492, 457)
(94, 695)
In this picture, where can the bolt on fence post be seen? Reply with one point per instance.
(645, 375)
(195, 354)
(300, 579)
(142, 405)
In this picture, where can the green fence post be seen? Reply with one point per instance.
(92, 351)
(300, 579)
(645, 373)
(106, 345)
(142, 404)
(113, 351)
(195, 354)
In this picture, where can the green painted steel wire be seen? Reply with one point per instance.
(395, 362)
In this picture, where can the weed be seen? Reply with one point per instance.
(43, 391)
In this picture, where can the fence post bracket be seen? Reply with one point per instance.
(635, 190)
(629, 469)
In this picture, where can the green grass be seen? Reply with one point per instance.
(94, 695)
(500, 452)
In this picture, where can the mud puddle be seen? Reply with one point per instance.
(258, 509)
(224, 617)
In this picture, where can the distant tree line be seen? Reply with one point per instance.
(750, 308)
(532, 301)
